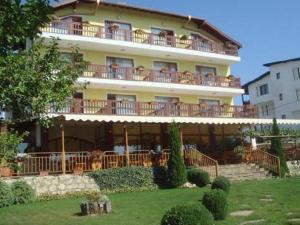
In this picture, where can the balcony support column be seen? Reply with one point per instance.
(181, 139)
(63, 152)
(126, 152)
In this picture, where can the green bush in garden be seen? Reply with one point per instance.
(198, 177)
(276, 148)
(216, 202)
(135, 178)
(176, 169)
(187, 215)
(22, 192)
(222, 183)
(6, 195)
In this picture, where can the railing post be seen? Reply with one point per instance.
(279, 169)
(217, 169)
(126, 145)
(63, 153)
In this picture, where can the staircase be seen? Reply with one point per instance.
(239, 172)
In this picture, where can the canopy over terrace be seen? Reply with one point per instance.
(191, 120)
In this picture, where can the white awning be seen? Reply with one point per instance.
(157, 119)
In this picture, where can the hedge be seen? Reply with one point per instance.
(216, 202)
(6, 195)
(126, 179)
(222, 183)
(198, 177)
(22, 192)
(187, 215)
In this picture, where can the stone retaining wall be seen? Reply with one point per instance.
(294, 167)
(58, 185)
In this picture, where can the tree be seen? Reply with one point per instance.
(276, 148)
(176, 169)
(32, 79)
(19, 21)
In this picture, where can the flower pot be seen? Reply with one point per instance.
(44, 173)
(5, 172)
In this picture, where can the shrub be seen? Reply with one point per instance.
(198, 177)
(187, 215)
(221, 183)
(22, 192)
(176, 168)
(216, 202)
(6, 196)
(135, 178)
(276, 148)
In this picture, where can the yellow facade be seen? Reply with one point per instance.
(144, 21)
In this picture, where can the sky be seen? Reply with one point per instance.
(268, 29)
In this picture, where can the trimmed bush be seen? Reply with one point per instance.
(176, 168)
(216, 202)
(22, 192)
(135, 178)
(187, 215)
(198, 177)
(6, 196)
(222, 183)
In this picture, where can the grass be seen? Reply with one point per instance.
(147, 208)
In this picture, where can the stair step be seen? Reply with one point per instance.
(239, 172)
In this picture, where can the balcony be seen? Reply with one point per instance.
(154, 109)
(95, 37)
(159, 76)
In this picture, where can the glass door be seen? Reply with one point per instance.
(167, 106)
(163, 37)
(119, 67)
(164, 70)
(118, 31)
(123, 104)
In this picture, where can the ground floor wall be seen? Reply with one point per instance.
(58, 185)
(106, 136)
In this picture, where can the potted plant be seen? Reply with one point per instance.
(95, 203)
(163, 33)
(140, 68)
(9, 143)
(114, 66)
(139, 31)
(113, 27)
(163, 70)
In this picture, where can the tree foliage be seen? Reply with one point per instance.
(20, 20)
(276, 148)
(176, 169)
(32, 79)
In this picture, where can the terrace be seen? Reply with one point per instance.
(139, 36)
(162, 76)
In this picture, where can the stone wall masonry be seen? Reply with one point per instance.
(58, 185)
(294, 167)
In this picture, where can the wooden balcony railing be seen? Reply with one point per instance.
(130, 108)
(137, 36)
(140, 74)
(264, 159)
(195, 158)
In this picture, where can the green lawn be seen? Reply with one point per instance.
(147, 208)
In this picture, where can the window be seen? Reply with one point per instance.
(117, 30)
(162, 105)
(171, 67)
(123, 104)
(298, 94)
(163, 37)
(265, 110)
(280, 97)
(283, 117)
(296, 73)
(277, 76)
(204, 70)
(200, 43)
(263, 90)
(118, 67)
(210, 102)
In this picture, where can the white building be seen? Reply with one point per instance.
(276, 93)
